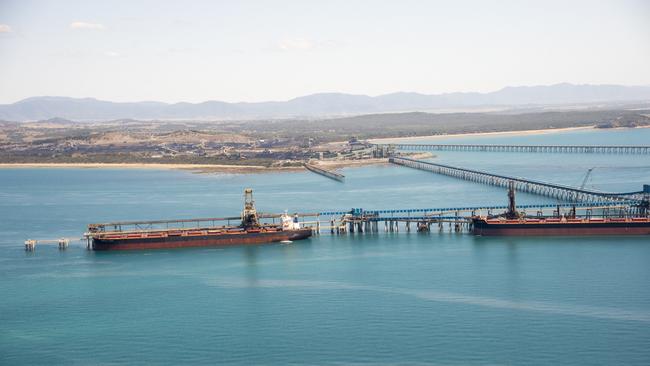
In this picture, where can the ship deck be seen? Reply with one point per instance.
(182, 232)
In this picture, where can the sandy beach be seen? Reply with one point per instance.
(209, 168)
(503, 133)
(194, 167)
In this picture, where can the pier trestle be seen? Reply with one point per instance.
(558, 191)
(561, 149)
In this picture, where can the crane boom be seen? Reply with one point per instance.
(584, 181)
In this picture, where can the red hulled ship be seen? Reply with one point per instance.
(110, 236)
(513, 223)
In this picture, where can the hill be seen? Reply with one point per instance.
(320, 105)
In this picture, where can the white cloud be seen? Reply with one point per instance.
(303, 44)
(84, 25)
(5, 28)
(111, 54)
(296, 44)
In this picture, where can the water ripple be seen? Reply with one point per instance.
(449, 297)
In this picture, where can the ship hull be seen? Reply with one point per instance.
(219, 240)
(481, 227)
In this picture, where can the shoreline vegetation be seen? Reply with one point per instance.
(271, 146)
(331, 164)
(326, 163)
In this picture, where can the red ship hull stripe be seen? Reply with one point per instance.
(561, 229)
(199, 241)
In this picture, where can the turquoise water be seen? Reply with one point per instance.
(387, 298)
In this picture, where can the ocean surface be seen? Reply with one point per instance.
(386, 298)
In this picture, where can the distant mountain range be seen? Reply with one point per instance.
(319, 105)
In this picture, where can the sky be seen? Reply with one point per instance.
(193, 51)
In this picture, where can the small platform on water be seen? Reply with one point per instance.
(30, 244)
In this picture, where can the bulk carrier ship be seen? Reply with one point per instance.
(145, 235)
(514, 223)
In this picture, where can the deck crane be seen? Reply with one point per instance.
(584, 181)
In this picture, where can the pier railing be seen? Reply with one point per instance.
(156, 225)
(466, 211)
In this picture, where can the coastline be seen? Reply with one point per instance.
(338, 164)
(195, 167)
(206, 168)
(328, 164)
(474, 134)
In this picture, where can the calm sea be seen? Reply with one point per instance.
(387, 298)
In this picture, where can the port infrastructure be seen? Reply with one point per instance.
(564, 149)
(359, 220)
(325, 172)
(590, 203)
(554, 190)
(62, 243)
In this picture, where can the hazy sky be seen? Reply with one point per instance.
(276, 50)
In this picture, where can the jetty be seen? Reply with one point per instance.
(562, 149)
(573, 202)
(368, 221)
(325, 172)
(554, 190)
